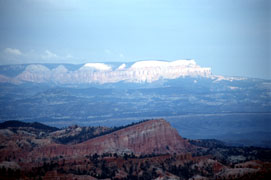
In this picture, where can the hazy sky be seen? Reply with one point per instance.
(230, 36)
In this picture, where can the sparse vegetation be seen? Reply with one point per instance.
(210, 159)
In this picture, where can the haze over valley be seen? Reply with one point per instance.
(135, 90)
(198, 103)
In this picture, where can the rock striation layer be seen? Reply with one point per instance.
(139, 72)
(150, 137)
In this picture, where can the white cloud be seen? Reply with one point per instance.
(49, 55)
(12, 51)
(15, 56)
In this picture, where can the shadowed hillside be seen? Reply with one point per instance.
(145, 150)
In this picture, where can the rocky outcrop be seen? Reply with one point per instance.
(154, 136)
(150, 137)
(27, 151)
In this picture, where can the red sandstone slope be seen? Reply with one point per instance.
(153, 136)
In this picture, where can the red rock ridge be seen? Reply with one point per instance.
(153, 136)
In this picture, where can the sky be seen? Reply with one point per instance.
(230, 36)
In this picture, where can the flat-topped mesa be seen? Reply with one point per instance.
(149, 137)
(164, 64)
(150, 71)
(138, 72)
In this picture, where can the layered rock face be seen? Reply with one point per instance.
(150, 137)
(142, 71)
(154, 136)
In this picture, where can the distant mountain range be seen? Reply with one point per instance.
(196, 102)
(138, 72)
